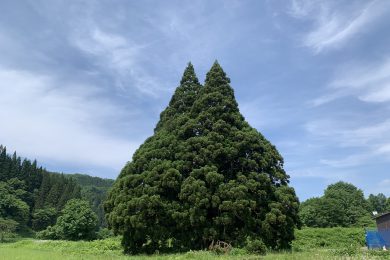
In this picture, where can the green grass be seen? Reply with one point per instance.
(332, 243)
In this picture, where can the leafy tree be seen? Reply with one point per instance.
(11, 204)
(204, 175)
(311, 213)
(77, 222)
(377, 202)
(342, 205)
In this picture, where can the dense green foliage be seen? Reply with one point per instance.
(309, 238)
(76, 222)
(94, 190)
(12, 204)
(34, 197)
(378, 203)
(204, 175)
(29, 192)
(341, 205)
(43, 218)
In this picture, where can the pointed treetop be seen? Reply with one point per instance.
(189, 75)
(189, 86)
(183, 98)
(216, 75)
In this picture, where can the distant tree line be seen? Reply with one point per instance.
(342, 205)
(32, 197)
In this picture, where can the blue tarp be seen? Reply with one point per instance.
(377, 239)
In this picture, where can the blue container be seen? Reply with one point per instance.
(377, 239)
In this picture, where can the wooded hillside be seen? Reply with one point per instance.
(32, 197)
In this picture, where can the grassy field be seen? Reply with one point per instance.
(329, 243)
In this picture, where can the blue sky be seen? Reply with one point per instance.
(82, 83)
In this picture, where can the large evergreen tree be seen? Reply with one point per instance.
(204, 175)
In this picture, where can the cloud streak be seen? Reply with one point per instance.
(369, 142)
(333, 26)
(117, 55)
(366, 82)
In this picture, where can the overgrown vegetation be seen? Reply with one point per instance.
(331, 238)
(205, 175)
(33, 198)
(77, 222)
(310, 243)
(94, 190)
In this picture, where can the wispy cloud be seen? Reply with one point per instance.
(367, 82)
(334, 25)
(58, 124)
(118, 55)
(369, 142)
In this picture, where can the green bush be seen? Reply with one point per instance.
(309, 238)
(104, 233)
(51, 232)
(256, 246)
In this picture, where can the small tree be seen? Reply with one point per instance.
(77, 222)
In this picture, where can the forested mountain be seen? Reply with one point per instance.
(34, 197)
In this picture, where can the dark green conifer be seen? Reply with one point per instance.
(183, 98)
(205, 175)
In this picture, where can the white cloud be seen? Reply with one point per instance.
(119, 56)
(369, 142)
(58, 124)
(335, 24)
(367, 82)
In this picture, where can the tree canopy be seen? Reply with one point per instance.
(76, 222)
(204, 175)
(341, 205)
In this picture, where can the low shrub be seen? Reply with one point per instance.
(51, 232)
(255, 246)
(104, 233)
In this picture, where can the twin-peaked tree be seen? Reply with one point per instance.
(204, 175)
